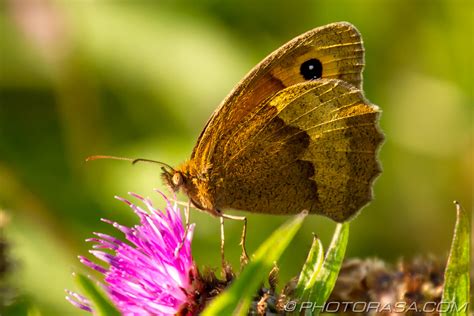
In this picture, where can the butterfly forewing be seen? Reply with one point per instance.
(337, 46)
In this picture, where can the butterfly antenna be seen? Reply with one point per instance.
(152, 161)
(133, 161)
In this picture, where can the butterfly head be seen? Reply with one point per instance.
(173, 178)
(196, 188)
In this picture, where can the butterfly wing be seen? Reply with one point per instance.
(337, 47)
(313, 146)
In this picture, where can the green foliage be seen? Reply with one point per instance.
(100, 303)
(457, 279)
(237, 298)
(319, 274)
(310, 269)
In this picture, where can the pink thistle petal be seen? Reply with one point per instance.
(77, 297)
(108, 258)
(92, 265)
(102, 244)
(109, 238)
(71, 300)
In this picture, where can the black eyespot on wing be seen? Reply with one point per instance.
(311, 69)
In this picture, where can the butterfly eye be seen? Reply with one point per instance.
(177, 179)
(311, 69)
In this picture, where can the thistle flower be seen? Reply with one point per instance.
(151, 274)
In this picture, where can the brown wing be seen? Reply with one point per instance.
(313, 146)
(337, 46)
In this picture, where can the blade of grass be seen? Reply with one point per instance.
(327, 275)
(456, 276)
(100, 303)
(237, 298)
(310, 269)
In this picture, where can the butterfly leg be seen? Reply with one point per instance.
(186, 229)
(222, 244)
(244, 258)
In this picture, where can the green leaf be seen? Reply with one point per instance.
(327, 275)
(237, 298)
(100, 302)
(456, 276)
(310, 269)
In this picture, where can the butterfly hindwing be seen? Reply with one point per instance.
(313, 146)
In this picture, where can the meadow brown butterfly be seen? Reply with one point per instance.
(295, 134)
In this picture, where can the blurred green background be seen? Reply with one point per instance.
(140, 79)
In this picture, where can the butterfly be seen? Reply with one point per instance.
(295, 134)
